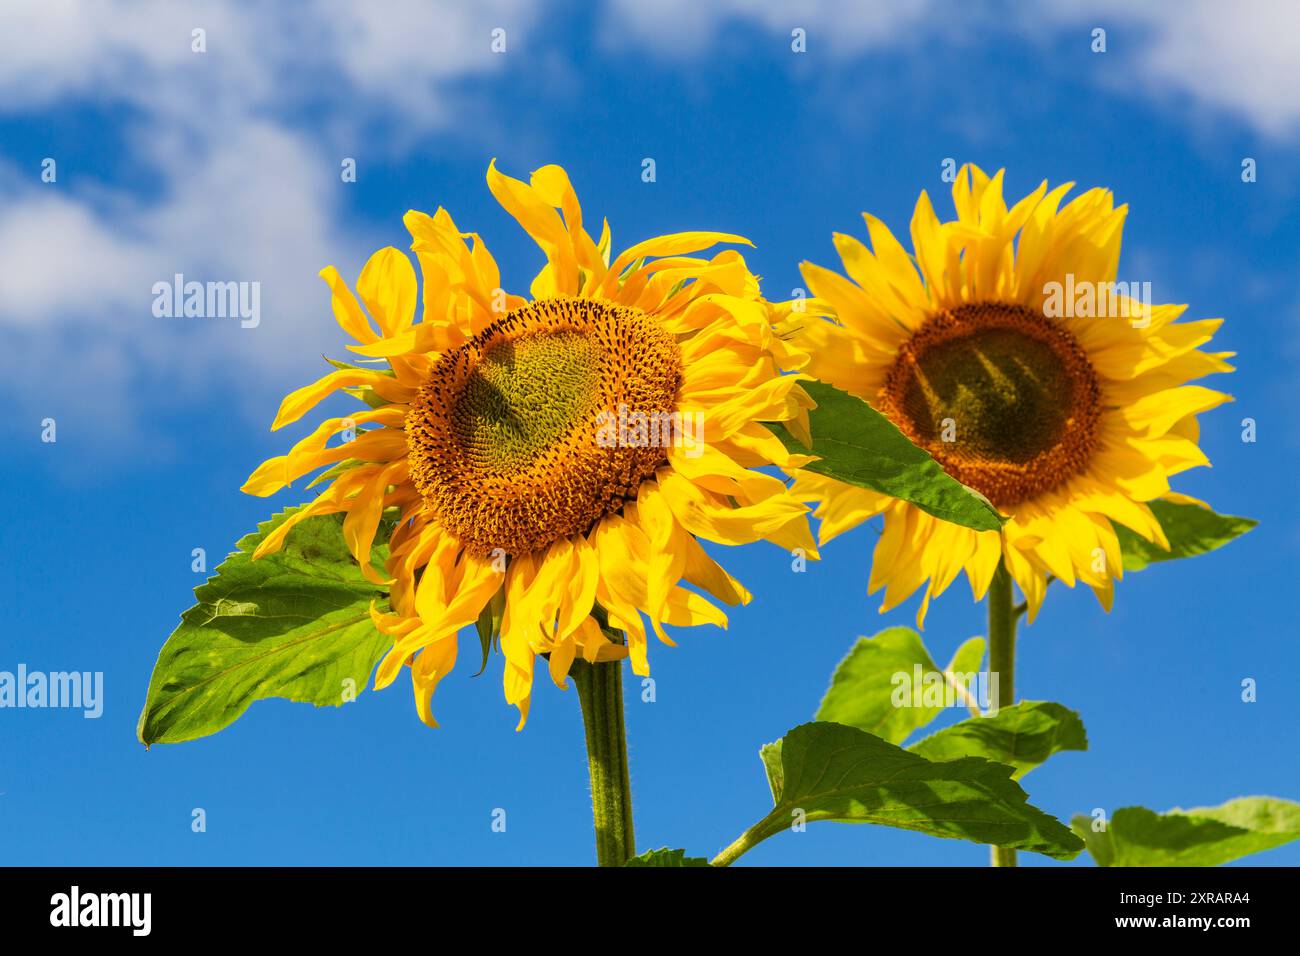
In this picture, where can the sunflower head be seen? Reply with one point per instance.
(504, 434)
(1022, 388)
(1006, 347)
(553, 462)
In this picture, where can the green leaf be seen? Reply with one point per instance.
(867, 689)
(858, 445)
(666, 857)
(603, 246)
(832, 772)
(1191, 530)
(488, 625)
(1202, 836)
(294, 624)
(365, 393)
(329, 474)
(350, 367)
(1023, 735)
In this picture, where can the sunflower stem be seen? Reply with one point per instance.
(742, 844)
(600, 691)
(1002, 662)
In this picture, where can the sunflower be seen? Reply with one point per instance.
(1005, 347)
(550, 462)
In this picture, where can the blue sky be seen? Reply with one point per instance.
(224, 165)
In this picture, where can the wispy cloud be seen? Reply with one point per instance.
(1242, 60)
(685, 28)
(232, 158)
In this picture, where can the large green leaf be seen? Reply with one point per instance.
(870, 687)
(1023, 735)
(1191, 530)
(1202, 836)
(664, 857)
(856, 444)
(293, 624)
(832, 772)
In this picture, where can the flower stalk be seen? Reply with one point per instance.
(600, 691)
(1002, 661)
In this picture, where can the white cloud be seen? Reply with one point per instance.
(80, 273)
(389, 55)
(60, 259)
(224, 180)
(396, 50)
(1241, 59)
(678, 28)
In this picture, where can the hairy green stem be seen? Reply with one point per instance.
(600, 691)
(1002, 661)
(742, 844)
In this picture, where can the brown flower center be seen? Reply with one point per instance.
(1003, 398)
(509, 437)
